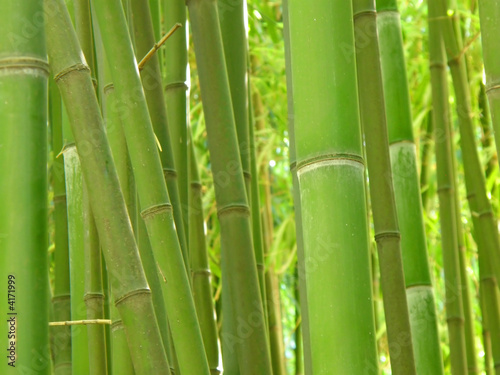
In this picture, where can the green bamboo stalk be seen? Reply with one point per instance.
(425, 162)
(23, 189)
(130, 288)
(156, 209)
(447, 205)
(301, 280)
(92, 288)
(387, 235)
(328, 147)
(61, 344)
(258, 240)
(234, 41)
(418, 282)
(94, 293)
(177, 93)
(200, 269)
(489, 15)
(152, 84)
(484, 221)
(234, 215)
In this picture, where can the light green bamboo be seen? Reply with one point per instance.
(23, 189)
(419, 290)
(200, 269)
(61, 344)
(387, 235)
(484, 221)
(489, 14)
(328, 147)
(249, 338)
(301, 279)
(153, 89)
(177, 94)
(156, 209)
(130, 288)
(446, 191)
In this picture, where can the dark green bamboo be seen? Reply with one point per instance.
(23, 189)
(177, 93)
(156, 209)
(61, 345)
(301, 279)
(426, 162)
(232, 204)
(419, 289)
(387, 235)
(484, 221)
(153, 88)
(328, 147)
(130, 288)
(446, 191)
(489, 14)
(200, 269)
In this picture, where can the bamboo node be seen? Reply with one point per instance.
(89, 296)
(154, 210)
(73, 68)
(387, 234)
(80, 322)
(201, 272)
(329, 160)
(109, 87)
(234, 208)
(176, 85)
(116, 325)
(61, 198)
(368, 12)
(21, 63)
(131, 294)
(169, 172)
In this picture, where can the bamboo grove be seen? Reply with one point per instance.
(250, 188)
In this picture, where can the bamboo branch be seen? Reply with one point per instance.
(80, 322)
(157, 46)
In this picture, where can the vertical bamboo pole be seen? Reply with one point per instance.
(232, 204)
(328, 147)
(23, 189)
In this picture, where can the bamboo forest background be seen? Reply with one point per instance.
(275, 53)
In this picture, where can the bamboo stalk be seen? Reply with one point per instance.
(328, 150)
(489, 14)
(483, 218)
(200, 269)
(232, 205)
(130, 288)
(61, 303)
(177, 94)
(23, 190)
(387, 235)
(406, 185)
(156, 209)
(153, 89)
(446, 191)
(301, 280)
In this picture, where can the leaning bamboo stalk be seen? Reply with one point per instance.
(387, 235)
(156, 209)
(489, 14)
(232, 205)
(446, 184)
(200, 269)
(61, 303)
(23, 189)
(153, 89)
(132, 295)
(418, 282)
(483, 218)
(334, 221)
